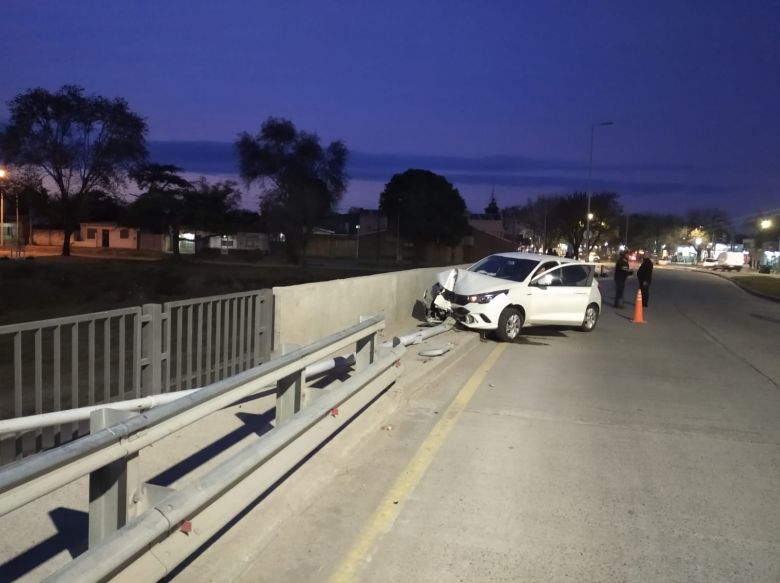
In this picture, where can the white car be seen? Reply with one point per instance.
(508, 291)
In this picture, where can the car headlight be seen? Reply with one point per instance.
(485, 298)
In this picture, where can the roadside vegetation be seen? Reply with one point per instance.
(768, 286)
(50, 287)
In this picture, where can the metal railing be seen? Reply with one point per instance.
(64, 363)
(135, 518)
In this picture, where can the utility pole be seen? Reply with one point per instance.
(588, 216)
(3, 174)
(627, 215)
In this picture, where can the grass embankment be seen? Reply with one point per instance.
(768, 286)
(49, 287)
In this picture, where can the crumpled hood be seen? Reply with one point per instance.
(464, 282)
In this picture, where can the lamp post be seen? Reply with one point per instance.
(357, 242)
(590, 171)
(3, 175)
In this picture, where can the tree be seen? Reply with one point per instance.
(301, 181)
(426, 206)
(171, 202)
(101, 206)
(82, 143)
(569, 216)
(715, 224)
(214, 208)
(650, 231)
(23, 189)
(536, 215)
(163, 203)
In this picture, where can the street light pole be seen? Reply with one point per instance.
(357, 242)
(590, 171)
(3, 174)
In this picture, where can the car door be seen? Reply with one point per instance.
(560, 295)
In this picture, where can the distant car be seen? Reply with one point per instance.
(710, 262)
(506, 292)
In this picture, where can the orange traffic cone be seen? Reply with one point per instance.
(638, 316)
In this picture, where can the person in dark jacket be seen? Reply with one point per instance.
(622, 271)
(645, 276)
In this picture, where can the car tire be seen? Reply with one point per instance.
(591, 318)
(510, 322)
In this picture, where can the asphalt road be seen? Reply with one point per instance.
(634, 453)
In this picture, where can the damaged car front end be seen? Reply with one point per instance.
(506, 291)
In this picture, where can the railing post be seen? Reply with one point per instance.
(288, 397)
(110, 487)
(365, 349)
(151, 350)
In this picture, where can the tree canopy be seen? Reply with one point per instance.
(427, 207)
(82, 143)
(301, 182)
(171, 202)
(571, 214)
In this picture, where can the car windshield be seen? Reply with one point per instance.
(505, 267)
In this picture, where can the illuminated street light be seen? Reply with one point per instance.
(590, 216)
(590, 170)
(3, 175)
(357, 242)
(766, 223)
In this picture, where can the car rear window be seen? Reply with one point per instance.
(505, 267)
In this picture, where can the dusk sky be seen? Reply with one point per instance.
(493, 95)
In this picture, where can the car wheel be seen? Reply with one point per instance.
(591, 317)
(509, 324)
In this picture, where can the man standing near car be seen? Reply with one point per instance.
(645, 276)
(622, 271)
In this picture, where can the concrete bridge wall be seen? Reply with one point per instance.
(307, 312)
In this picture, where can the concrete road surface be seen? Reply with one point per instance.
(635, 453)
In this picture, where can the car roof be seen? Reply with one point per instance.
(536, 257)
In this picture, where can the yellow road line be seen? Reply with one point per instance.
(391, 504)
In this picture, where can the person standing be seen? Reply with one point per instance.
(645, 276)
(622, 271)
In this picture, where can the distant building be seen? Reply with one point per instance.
(105, 235)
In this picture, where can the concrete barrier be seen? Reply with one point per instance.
(304, 313)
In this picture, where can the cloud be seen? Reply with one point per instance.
(527, 174)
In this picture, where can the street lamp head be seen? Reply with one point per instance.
(590, 216)
(603, 123)
(766, 224)
(3, 173)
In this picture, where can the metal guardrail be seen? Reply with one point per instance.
(127, 521)
(90, 359)
(28, 479)
(153, 544)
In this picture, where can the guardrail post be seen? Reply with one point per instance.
(109, 493)
(365, 349)
(151, 350)
(288, 397)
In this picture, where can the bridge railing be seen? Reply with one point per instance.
(64, 363)
(122, 513)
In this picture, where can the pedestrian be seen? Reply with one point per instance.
(622, 271)
(645, 276)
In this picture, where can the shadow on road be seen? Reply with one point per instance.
(259, 423)
(72, 527)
